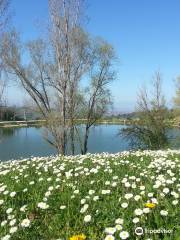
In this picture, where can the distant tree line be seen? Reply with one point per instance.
(7, 114)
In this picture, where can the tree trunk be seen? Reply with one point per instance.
(86, 136)
(72, 140)
(63, 151)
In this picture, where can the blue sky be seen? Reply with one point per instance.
(144, 33)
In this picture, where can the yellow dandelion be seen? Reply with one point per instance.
(150, 205)
(78, 237)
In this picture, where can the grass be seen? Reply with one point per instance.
(59, 197)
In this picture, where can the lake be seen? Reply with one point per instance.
(16, 143)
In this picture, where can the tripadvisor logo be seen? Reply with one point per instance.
(140, 231)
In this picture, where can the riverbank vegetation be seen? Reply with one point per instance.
(96, 196)
(151, 131)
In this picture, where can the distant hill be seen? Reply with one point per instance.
(122, 115)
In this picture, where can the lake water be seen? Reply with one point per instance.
(24, 142)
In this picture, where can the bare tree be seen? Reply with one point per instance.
(4, 4)
(97, 97)
(33, 76)
(69, 44)
(150, 131)
(52, 76)
(56, 68)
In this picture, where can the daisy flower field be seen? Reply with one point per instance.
(128, 195)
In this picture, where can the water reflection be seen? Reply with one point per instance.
(7, 131)
(29, 141)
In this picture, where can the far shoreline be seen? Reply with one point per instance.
(40, 123)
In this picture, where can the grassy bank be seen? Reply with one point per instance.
(102, 196)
